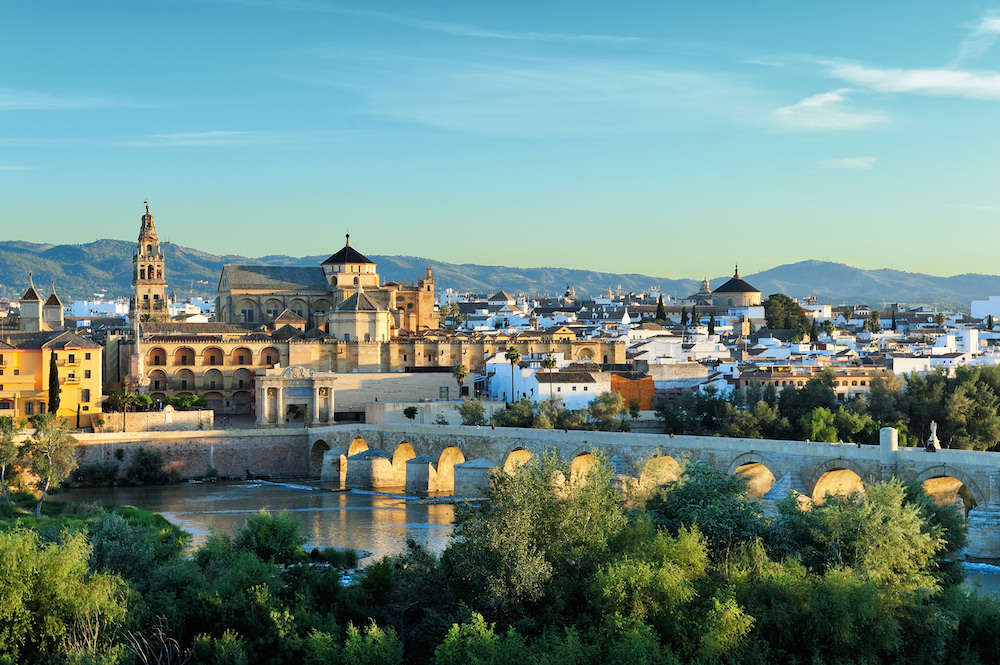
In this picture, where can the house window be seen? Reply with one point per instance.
(559, 389)
(29, 408)
(156, 384)
(72, 376)
(184, 384)
(86, 408)
(85, 395)
(17, 372)
(241, 383)
(213, 384)
(242, 360)
(585, 389)
(86, 356)
(72, 357)
(574, 388)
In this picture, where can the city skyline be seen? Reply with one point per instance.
(672, 141)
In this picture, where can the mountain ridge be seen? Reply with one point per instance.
(79, 271)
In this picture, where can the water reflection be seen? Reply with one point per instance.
(374, 523)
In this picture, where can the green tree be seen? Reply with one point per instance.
(53, 384)
(536, 539)
(513, 356)
(606, 410)
(473, 412)
(51, 450)
(661, 311)
(694, 316)
(122, 400)
(410, 412)
(814, 331)
(684, 316)
(711, 324)
(8, 451)
(273, 538)
(633, 408)
(783, 312)
(549, 363)
(817, 425)
(894, 326)
(460, 371)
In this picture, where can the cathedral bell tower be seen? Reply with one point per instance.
(148, 275)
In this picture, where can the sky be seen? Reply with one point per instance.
(673, 139)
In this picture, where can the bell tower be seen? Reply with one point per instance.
(149, 284)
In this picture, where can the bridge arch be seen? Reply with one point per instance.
(660, 468)
(449, 457)
(319, 447)
(358, 445)
(757, 470)
(946, 484)
(837, 475)
(516, 458)
(403, 453)
(581, 464)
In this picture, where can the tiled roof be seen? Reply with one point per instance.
(347, 255)
(275, 278)
(53, 300)
(183, 328)
(359, 302)
(31, 295)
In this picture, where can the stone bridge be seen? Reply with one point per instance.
(459, 459)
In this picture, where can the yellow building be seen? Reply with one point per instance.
(25, 359)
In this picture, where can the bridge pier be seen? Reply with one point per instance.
(790, 483)
(421, 476)
(472, 478)
(370, 469)
(983, 523)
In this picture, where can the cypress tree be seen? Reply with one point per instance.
(684, 316)
(711, 325)
(53, 384)
(814, 331)
(661, 311)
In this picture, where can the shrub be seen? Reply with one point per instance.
(147, 469)
(338, 558)
(272, 538)
(118, 547)
(95, 474)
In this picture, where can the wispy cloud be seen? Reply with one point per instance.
(29, 100)
(982, 38)
(826, 112)
(443, 27)
(216, 139)
(935, 82)
(539, 96)
(973, 206)
(860, 163)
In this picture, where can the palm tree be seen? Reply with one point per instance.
(514, 356)
(460, 371)
(549, 363)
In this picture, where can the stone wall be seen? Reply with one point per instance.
(353, 391)
(167, 420)
(230, 452)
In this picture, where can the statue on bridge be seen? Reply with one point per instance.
(932, 441)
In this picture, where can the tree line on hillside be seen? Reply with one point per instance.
(966, 408)
(554, 567)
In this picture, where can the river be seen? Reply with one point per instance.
(375, 523)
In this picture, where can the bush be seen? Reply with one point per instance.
(147, 469)
(338, 558)
(118, 547)
(95, 474)
(272, 538)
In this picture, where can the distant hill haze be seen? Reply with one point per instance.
(105, 266)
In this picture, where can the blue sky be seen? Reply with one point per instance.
(668, 138)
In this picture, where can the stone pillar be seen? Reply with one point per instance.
(888, 439)
(370, 469)
(983, 523)
(473, 478)
(280, 402)
(315, 420)
(790, 483)
(262, 408)
(421, 476)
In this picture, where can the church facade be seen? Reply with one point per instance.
(324, 296)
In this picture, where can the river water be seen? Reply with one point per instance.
(375, 523)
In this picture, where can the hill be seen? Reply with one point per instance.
(105, 266)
